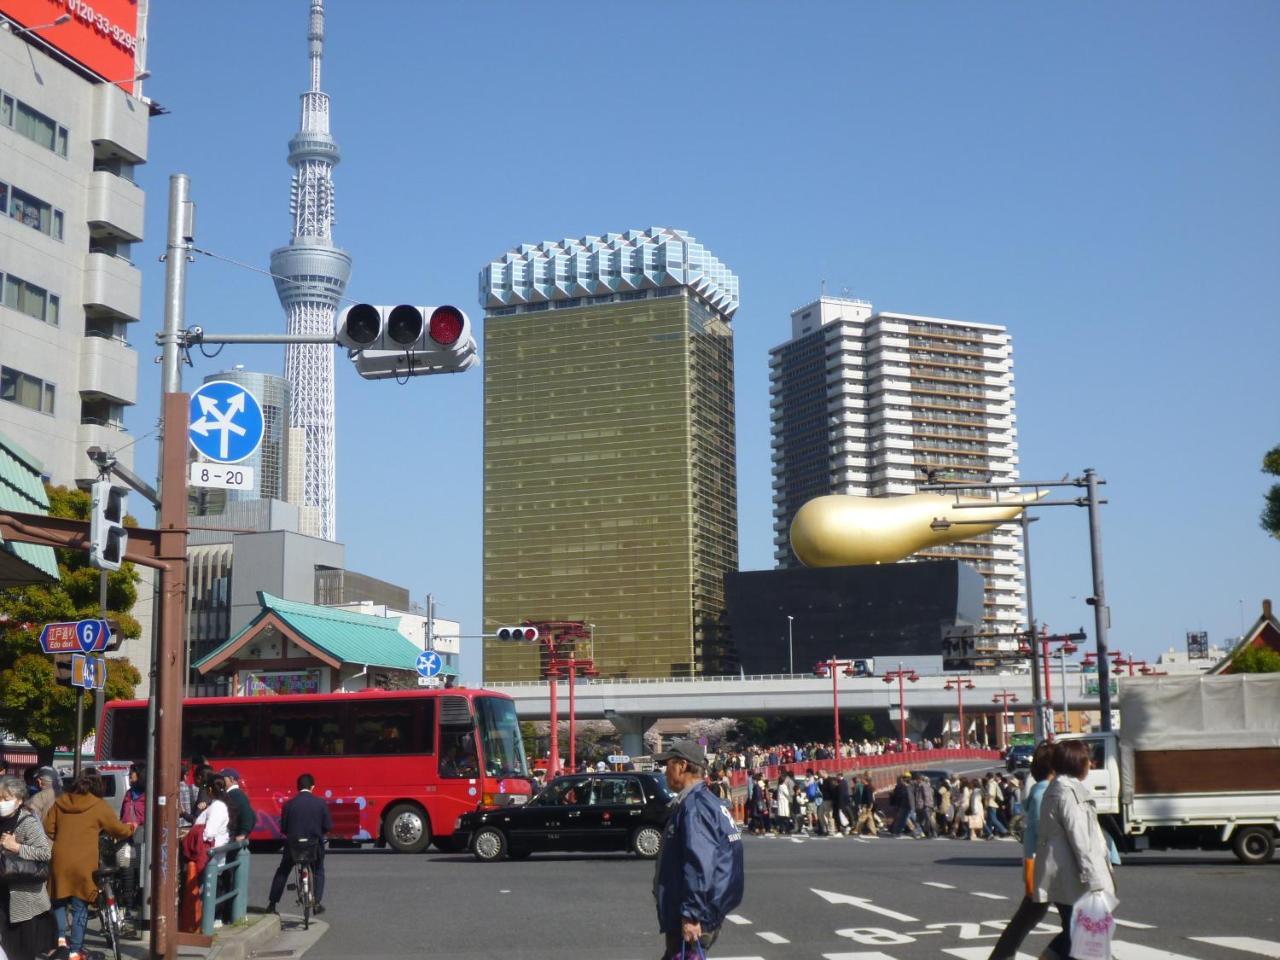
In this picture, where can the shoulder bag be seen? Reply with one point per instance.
(14, 869)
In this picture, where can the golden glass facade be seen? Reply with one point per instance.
(610, 481)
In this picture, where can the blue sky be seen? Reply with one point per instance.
(1098, 177)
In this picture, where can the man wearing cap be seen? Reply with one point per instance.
(698, 878)
(242, 817)
(41, 802)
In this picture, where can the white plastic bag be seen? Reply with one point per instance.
(1092, 924)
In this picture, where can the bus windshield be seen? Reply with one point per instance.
(500, 737)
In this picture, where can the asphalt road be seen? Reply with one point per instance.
(882, 899)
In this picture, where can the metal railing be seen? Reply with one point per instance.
(238, 893)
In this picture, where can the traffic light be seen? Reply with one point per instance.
(406, 340)
(518, 634)
(108, 537)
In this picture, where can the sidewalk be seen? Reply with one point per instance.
(257, 934)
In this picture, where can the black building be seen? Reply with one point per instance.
(883, 612)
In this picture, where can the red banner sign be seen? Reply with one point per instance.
(102, 35)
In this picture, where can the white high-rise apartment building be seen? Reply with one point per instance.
(865, 403)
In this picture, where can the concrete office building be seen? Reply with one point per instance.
(69, 216)
(864, 402)
(609, 470)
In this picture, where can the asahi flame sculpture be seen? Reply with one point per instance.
(843, 531)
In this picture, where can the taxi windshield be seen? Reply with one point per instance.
(500, 738)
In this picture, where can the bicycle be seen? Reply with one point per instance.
(303, 852)
(109, 914)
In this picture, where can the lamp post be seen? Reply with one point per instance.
(572, 665)
(36, 26)
(791, 651)
(1066, 645)
(901, 675)
(832, 666)
(960, 685)
(1004, 698)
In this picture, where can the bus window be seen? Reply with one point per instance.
(391, 727)
(215, 732)
(500, 737)
(126, 731)
(458, 754)
(303, 730)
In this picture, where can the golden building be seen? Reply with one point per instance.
(610, 483)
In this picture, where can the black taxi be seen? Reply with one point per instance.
(584, 811)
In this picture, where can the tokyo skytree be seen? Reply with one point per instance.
(310, 276)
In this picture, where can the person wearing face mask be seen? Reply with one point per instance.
(26, 926)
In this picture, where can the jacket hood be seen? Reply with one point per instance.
(76, 802)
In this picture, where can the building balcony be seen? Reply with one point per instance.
(108, 368)
(119, 125)
(112, 287)
(115, 207)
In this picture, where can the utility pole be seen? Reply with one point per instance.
(1101, 612)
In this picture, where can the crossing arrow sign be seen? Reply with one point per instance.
(226, 422)
(865, 904)
(429, 664)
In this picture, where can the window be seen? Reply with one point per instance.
(395, 727)
(31, 211)
(216, 732)
(32, 124)
(303, 730)
(567, 791)
(616, 792)
(458, 754)
(27, 298)
(26, 390)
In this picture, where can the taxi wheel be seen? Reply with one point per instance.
(646, 842)
(489, 845)
(407, 829)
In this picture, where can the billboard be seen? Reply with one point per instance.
(102, 35)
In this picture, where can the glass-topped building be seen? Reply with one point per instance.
(610, 479)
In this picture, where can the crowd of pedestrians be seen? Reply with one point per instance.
(752, 758)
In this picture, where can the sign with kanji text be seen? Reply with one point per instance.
(80, 636)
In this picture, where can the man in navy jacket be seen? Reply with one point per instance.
(698, 878)
(305, 817)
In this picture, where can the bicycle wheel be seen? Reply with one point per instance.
(304, 894)
(109, 913)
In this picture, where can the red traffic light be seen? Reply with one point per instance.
(445, 326)
(518, 634)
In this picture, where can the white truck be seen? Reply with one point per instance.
(1195, 764)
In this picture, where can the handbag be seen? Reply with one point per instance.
(1092, 924)
(691, 951)
(14, 869)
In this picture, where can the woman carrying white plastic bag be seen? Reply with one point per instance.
(1092, 923)
(1071, 853)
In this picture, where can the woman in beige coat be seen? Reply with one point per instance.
(1071, 851)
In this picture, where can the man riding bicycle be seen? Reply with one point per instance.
(305, 817)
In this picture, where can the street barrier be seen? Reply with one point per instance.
(238, 893)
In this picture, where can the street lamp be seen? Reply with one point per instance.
(833, 666)
(1067, 645)
(8, 25)
(900, 675)
(960, 685)
(791, 652)
(1004, 698)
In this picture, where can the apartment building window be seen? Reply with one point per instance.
(32, 124)
(26, 390)
(35, 302)
(30, 211)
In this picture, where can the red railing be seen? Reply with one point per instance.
(910, 759)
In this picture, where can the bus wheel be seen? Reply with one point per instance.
(489, 845)
(1254, 845)
(406, 828)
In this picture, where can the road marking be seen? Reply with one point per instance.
(868, 955)
(504, 891)
(940, 886)
(773, 938)
(1136, 951)
(739, 919)
(1267, 948)
(989, 896)
(865, 904)
(1133, 924)
(793, 839)
(980, 953)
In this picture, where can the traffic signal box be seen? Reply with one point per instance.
(108, 537)
(406, 340)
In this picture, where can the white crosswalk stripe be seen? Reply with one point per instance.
(866, 955)
(978, 893)
(1133, 924)
(980, 953)
(737, 918)
(774, 938)
(1265, 948)
(930, 883)
(1123, 950)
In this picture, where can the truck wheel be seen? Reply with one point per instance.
(407, 829)
(1254, 845)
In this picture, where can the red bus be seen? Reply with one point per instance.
(396, 767)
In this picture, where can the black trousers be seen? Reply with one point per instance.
(286, 867)
(1028, 914)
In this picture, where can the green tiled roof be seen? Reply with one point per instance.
(346, 636)
(22, 490)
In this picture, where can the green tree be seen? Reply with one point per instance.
(33, 707)
(1256, 660)
(1271, 500)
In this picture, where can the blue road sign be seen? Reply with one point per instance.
(85, 636)
(429, 663)
(226, 422)
(88, 672)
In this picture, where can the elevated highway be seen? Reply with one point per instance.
(633, 705)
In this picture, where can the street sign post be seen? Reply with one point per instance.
(225, 422)
(80, 636)
(431, 682)
(221, 476)
(429, 664)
